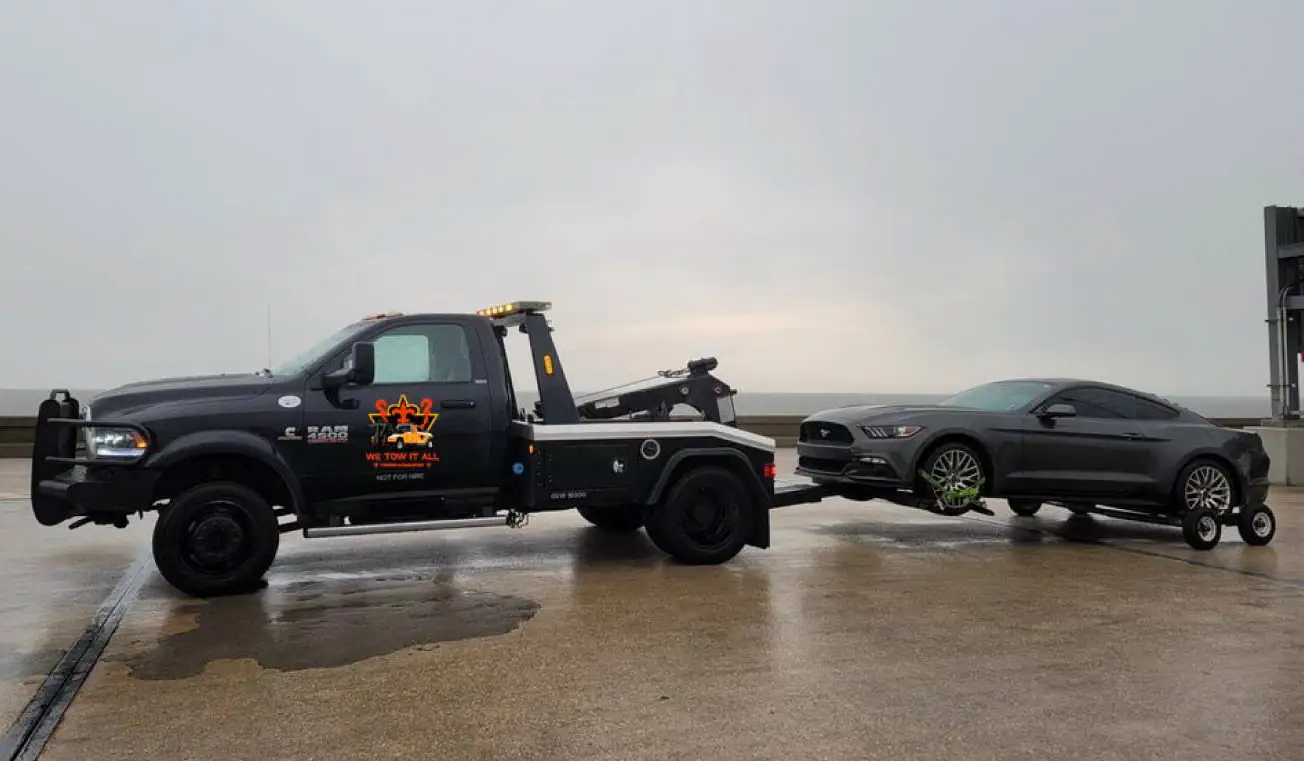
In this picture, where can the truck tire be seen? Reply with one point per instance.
(616, 519)
(704, 518)
(216, 538)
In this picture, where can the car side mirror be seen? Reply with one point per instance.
(1059, 410)
(360, 370)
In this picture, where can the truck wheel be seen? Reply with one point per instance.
(216, 538)
(1201, 528)
(704, 519)
(1024, 507)
(1257, 525)
(618, 519)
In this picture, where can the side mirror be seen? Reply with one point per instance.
(1059, 410)
(360, 369)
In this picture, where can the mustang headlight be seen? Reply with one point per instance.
(117, 444)
(890, 431)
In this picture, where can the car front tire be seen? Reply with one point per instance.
(959, 465)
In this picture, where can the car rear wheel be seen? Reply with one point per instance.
(216, 538)
(1024, 507)
(1205, 485)
(953, 477)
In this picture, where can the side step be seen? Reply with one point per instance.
(326, 532)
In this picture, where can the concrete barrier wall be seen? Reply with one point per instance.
(16, 432)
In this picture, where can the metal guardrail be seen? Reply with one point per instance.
(16, 433)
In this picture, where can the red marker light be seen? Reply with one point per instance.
(770, 470)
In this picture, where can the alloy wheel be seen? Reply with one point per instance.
(955, 471)
(1207, 487)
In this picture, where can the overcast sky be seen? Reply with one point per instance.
(827, 195)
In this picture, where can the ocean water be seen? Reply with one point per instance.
(25, 401)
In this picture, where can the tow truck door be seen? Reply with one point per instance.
(422, 428)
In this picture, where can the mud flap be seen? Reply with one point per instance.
(52, 441)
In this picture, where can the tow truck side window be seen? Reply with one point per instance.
(423, 354)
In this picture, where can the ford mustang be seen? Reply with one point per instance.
(1084, 445)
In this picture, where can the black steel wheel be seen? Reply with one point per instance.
(704, 518)
(216, 538)
(1201, 528)
(1257, 525)
(620, 519)
(1024, 507)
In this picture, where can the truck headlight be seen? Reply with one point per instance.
(890, 431)
(118, 444)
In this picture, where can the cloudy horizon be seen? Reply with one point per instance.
(828, 196)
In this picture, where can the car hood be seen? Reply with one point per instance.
(870, 413)
(133, 396)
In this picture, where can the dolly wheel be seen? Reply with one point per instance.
(1201, 528)
(1257, 525)
(216, 538)
(1024, 507)
(704, 519)
(616, 519)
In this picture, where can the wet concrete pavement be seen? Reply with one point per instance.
(54, 580)
(868, 631)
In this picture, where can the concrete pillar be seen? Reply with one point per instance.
(1285, 445)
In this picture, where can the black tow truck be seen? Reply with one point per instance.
(402, 423)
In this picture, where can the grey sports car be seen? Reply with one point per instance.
(1085, 445)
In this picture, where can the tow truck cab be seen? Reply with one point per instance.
(401, 423)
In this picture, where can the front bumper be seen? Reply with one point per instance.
(847, 456)
(64, 485)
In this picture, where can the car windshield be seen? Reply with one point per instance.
(309, 356)
(1000, 396)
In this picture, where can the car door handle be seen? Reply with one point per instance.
(458, 404)
(1133, 435)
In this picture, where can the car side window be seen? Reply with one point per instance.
(423, 354)
(1148, 410)
(1097, 403)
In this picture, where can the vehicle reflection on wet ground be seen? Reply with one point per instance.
(866, 631)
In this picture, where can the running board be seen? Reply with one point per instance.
(326, 532)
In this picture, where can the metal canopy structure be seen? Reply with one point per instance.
(1284, 276)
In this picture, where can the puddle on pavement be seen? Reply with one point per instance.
(939, 534)
(328, 624)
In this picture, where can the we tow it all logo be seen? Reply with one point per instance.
(401, 436)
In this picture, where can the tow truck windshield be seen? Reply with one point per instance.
(317, 351)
